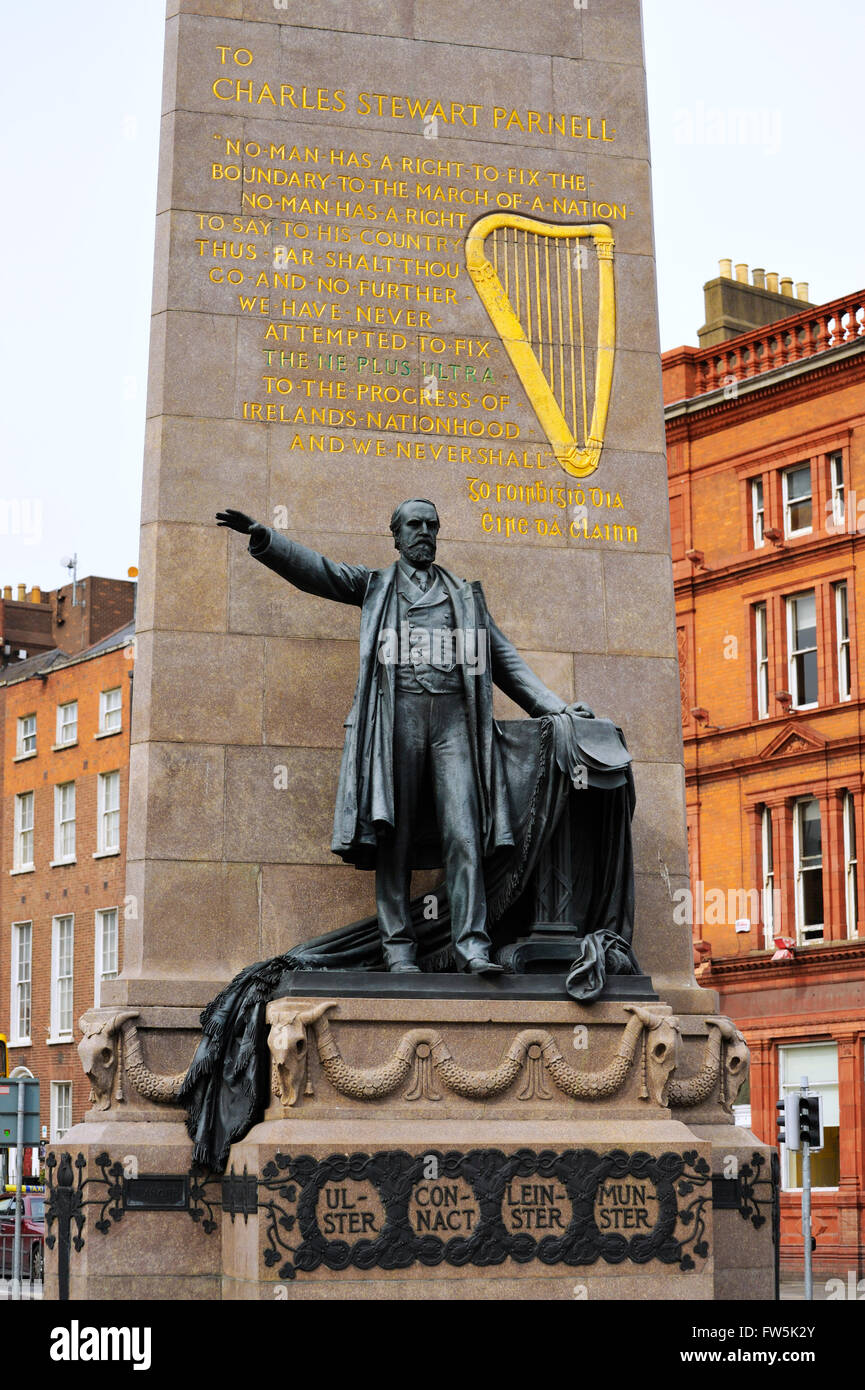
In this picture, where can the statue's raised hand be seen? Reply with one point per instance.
(236, 521)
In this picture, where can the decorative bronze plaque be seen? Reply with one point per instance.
(392, 1210)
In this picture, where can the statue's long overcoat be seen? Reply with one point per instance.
(365, 798)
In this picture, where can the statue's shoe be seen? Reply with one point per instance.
(404, 967)
(481, 965)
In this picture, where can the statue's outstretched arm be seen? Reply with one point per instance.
(301, 566)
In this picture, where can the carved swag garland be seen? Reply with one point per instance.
(222, 1107)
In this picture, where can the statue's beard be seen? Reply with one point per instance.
(422, 553)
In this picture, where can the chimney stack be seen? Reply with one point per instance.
(740, 300)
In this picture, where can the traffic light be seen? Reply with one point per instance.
(811, 1121)
(788, 1121)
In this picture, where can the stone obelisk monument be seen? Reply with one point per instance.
(403, 249)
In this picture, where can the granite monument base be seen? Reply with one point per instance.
(465, 1148)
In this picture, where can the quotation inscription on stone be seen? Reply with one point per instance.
(368, 338)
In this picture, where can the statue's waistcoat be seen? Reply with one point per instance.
(426, 647)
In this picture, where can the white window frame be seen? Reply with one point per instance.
(62, 819)
(842, 640)
(99, 954)
(64, 725)
(791, 1083)
(25, 742)
(793, 652)
(767, 840)
(105, 822)
(836, 479)
(797, 501)
(21, 979)
(761, 657)
(851, 866)
(758, 512)
(62, 985)
(25, 825)
(815, 930)
(61, 1109)
(108, 711)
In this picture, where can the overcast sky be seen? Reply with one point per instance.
(756, 129)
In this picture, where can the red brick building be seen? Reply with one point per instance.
(65, 728)
(766, 449)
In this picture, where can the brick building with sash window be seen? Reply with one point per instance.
(765, 425)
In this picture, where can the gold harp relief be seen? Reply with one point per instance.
(538, 307)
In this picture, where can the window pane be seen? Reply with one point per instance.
(842, 626)
(61, 1107)
(805, 620)
(811, 840)
(812, 898)
(837, 473)
(797, 497)
(762, 653)
(843, 620)
(23, 850)
(802, 609)
(109, 811)
(64, 935)
(806, 685)
(757, 510)
(768, 878)
(23, 972)
(67, 724)
(108, 943)
(850, 865)
(110, 702)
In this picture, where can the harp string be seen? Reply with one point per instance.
(582, 342)
(562, 384)
(528, 286)
(570, 268)
(552, 357)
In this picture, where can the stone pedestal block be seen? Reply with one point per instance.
(435, 1147)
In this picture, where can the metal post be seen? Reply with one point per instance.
(806, 1204)
(19, 1199)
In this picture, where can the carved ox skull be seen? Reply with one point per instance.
(661, 1038)
(99, 1050)
(736, 1061)
(662, 1055)
(288, 1041)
